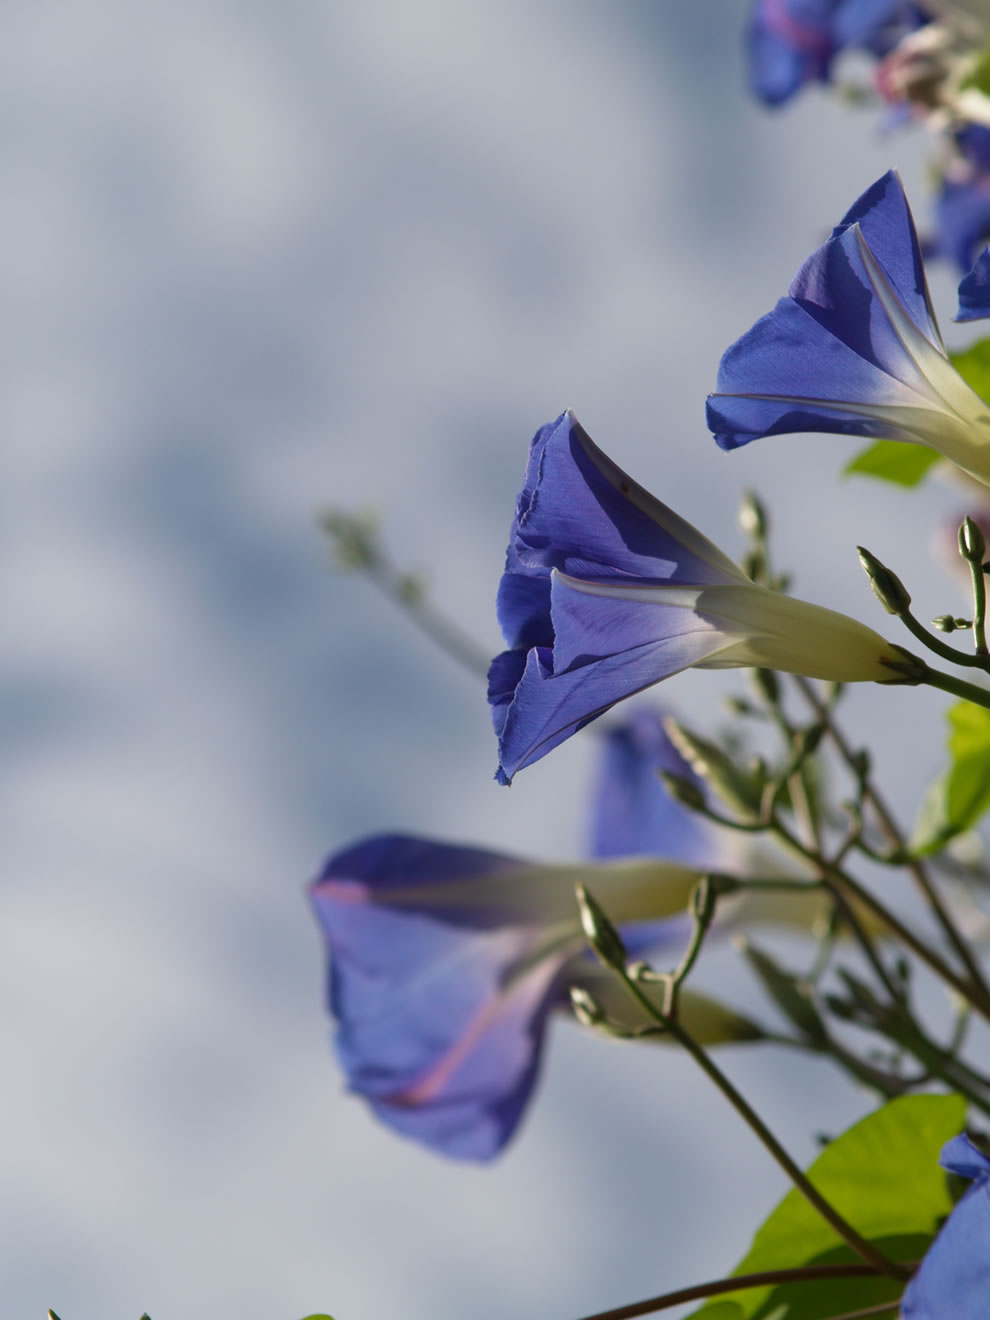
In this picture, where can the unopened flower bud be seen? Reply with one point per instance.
(704, 897)
(752, 516)
(767, 685)
(586, 1008)
(600, 933)
(972, 543)
(888, 588)
(682, 790)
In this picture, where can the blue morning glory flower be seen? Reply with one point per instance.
(855, 348)
(446, 961)
(793, 42)
(606, 591)
(954, 1277)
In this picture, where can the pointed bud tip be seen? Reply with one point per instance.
(585, 1007)
(752, 515)
(972, 543)
(599, 931)
(888, 588)
(682, 790)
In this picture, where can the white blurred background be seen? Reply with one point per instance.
(260, 258)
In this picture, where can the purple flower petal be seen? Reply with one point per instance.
(547, 707)
(440, 1020)
(954, 1277)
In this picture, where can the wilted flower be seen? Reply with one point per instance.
(446, 961)
(606, 591)
(954, 1277)
(855, 348)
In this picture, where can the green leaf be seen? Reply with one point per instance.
(973, 364)
(893, 460)
(883, 1176)
(321, 1316)
(978, 76)
(905, 464)
(958, 799)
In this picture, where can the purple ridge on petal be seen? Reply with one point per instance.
(631, 811)
(440, 1025)
(885, 221)
(589, 629)
(580, 513)
(386, 864)
(974, 291)
(954, 1277)
(547, 708)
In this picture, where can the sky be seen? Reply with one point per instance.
(261, 259)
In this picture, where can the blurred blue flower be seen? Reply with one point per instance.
(445, 962)
(962, 216)
(953, 1280)
(962, 212)
(606, 591)
(632, 814)
(793, 42)
(855, 348)
(974, 291)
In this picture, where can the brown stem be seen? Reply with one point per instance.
(761, 1279)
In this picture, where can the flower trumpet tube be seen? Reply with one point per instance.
(446, 961)
(855, 349)
(606, 591)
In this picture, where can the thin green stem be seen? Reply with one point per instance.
(973, 549)
(958, 687)
(895, 836)
(853, 890)
(842, 1227)
(359, 549)
(979, 608)
(951, 653)
(851, 918)
(440, 630)
(739, 1283)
